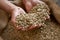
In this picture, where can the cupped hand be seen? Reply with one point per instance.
(16, 12)
(29, 4)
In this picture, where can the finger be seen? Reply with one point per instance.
(48, 17)
(28, 5)
(35, 26)
(34, 2)
(18, 27)
(23, 29)
(32, 27)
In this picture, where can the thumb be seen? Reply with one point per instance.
(28, 5)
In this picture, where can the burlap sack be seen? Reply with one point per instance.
(50, 32)
(3, 19)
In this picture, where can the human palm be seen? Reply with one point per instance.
(16, 12)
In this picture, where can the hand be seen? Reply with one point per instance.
(16, 12)
(29, 4)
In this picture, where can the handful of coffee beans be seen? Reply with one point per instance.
(36, 16)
